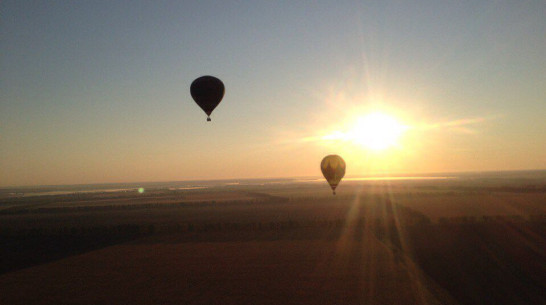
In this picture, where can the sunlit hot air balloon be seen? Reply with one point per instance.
(207, 91)
(333, 169)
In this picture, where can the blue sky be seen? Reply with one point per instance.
(98, 91)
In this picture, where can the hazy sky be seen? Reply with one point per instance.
(98, 91)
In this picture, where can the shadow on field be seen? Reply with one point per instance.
(23, 251)
(485, 263)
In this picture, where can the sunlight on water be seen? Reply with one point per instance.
(187, 188)
(396, 178)
(380, 179)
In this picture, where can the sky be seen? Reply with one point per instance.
(98, 91)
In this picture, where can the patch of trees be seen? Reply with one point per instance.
(491, 219)
(34, 209)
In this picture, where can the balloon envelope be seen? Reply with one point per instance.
(333, 169)
(207, 91)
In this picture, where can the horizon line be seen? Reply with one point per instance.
(400, 174)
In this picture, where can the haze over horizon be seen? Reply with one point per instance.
(97, 92)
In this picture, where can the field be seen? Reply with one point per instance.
(469, 241)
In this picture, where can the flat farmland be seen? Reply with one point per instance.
(475, 204)
(267, 269)
(373, 243)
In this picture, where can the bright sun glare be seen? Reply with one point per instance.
(376, 131)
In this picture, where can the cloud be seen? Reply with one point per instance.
(459, 125)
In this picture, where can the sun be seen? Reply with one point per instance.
(376, 131)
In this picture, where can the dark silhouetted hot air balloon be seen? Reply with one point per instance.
(207, 91)
(333, 169)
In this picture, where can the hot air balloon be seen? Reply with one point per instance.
(333, 169)
(207, 91)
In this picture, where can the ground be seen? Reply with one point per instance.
(378, 243)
